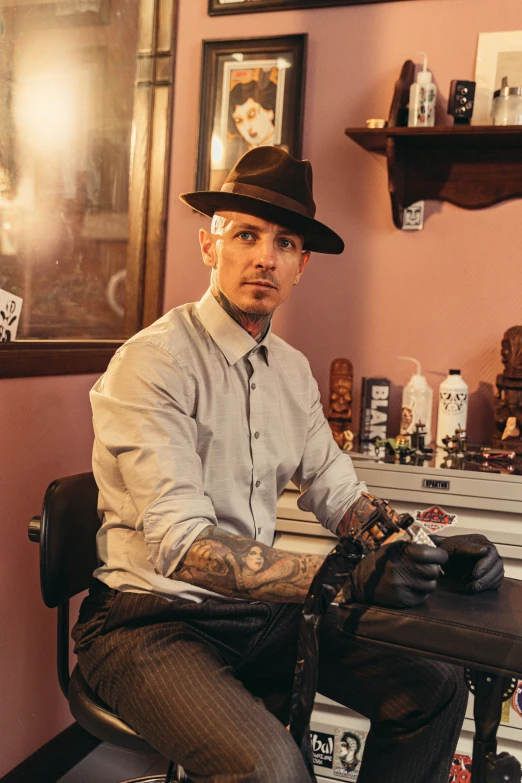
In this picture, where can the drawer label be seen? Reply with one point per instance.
(435, 484)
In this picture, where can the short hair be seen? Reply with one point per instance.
(265, 95)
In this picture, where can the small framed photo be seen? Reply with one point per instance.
(217, 7)
(252, 95)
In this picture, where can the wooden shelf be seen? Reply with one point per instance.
(470, 166)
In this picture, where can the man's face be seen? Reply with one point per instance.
(254, 123)
(254, 263)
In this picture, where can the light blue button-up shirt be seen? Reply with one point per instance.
(197, 424)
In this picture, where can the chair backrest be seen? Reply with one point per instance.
(68, 537)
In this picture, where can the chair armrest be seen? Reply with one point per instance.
(482, 631)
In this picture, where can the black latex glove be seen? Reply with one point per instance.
(398, 574)
(473, 562)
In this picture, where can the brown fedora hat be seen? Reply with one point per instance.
(269, 183)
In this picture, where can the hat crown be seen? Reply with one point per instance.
(273, 169)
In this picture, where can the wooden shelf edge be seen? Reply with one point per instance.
(374, 139)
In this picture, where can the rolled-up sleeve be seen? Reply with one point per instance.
(145, 440)
(325, 477)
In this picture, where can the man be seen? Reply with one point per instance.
(200, 421)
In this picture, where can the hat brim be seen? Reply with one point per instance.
(318, 237)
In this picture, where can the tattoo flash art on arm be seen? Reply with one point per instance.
(243, 568)
(256, 325)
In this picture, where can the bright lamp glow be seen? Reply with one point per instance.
(48, 110)
(217, 152)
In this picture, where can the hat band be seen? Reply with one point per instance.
(267, 195)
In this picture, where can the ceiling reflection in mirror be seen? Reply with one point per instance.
(67, 74)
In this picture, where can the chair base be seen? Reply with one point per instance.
(155, 779)
(147, 779)
(174, 774)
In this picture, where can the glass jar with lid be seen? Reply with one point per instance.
(507, 105)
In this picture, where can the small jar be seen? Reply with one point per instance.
(507, 105)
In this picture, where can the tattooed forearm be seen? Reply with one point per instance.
(253, 323)
(243, 568)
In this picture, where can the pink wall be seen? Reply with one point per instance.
(445, 295)
(45, 432)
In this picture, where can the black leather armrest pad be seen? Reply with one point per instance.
(482, 631)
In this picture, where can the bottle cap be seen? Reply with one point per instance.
(505, 91)
(454, 372)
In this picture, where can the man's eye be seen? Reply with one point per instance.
(246, 235)
(286, 243)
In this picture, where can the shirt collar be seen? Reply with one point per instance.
(232, 340)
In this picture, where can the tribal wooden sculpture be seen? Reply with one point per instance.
(340, 410)
(508, 402)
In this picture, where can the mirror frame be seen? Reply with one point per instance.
(148, 204)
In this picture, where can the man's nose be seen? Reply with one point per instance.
(266, 257)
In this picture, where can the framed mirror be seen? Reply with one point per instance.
(86, 94)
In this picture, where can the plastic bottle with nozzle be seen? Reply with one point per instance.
(417, 403)
(423, 97)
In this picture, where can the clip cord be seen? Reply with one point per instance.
(329, 579)
(327, 582)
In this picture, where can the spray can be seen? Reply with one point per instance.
(453, 406)
(417, 403)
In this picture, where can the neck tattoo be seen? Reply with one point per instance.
(256, 325)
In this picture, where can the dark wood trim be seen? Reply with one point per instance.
(50, 762)
(26, 358)
(215, 9)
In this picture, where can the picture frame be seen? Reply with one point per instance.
(498, 54)
(222, 7)
(252, 94)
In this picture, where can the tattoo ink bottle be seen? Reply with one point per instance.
(423, 96)
(417, 403)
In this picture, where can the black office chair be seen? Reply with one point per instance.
(66, 532)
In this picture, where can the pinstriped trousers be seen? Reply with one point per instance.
(208, 685)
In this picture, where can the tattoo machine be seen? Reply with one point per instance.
(365, 536)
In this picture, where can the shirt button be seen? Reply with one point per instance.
(256, 434)
(253, 386)
(258, 483)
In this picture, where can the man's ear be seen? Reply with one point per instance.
(207, 247)
(305, 258)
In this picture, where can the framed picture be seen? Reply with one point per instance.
(252, 95)
(498, 55)
(216, 7)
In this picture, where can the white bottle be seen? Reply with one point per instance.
(417, 397)
(423, 97)
(453, 406)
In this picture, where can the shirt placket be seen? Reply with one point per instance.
(257, 445)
